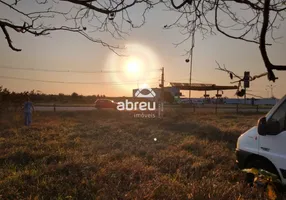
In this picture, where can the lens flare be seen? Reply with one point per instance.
(133, 66)
(139, 65)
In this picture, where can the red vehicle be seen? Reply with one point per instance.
(105, 103)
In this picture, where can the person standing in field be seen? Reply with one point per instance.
(28, 108)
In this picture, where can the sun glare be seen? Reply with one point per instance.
(133, 66)
(139, 65)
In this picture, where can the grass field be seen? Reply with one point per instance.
(111, 155)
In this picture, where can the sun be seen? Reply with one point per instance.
(133, 66)
(138, 65)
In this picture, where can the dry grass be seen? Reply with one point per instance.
(110, 155)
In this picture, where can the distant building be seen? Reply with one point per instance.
(266, 101)
(173, 90)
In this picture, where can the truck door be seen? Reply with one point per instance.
(273, 147)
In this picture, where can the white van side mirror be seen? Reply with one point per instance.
(268, 127)
(261, 126)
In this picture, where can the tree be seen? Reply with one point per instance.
(74, 95)
(168, 97)
(79, 16)
(205, 16)
(85, 16)
(61, 97)
(240, 92)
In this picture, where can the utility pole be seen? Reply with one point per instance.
(245, 95)
(162, 91)
(191, 62)
(271, 90)
(137, 84)
(161, 103)
(267, 93)
(246, 83)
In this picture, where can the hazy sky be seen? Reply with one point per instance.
(150, 44)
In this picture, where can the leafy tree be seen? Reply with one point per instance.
(168, 97)
(74, 95)
(61, 97)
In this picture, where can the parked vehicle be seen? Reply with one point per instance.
(192, 101)
(105, 103)
(198, 101)
(264, 146)
(249, 101)
(185, 101)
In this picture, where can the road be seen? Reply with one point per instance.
(198, 109)
(49, 108)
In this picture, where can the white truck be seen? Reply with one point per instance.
(264, 146)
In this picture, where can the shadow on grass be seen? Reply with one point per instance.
(199, 130)
(24, 158)
(21, 158)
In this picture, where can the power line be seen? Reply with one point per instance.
(254, 95)
(62, 82)
(188, 79)
(67, 71)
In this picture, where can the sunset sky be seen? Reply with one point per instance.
(151, 47)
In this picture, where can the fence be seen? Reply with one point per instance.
(211, 108)
(215, 108)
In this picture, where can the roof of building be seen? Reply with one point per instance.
(202, 86)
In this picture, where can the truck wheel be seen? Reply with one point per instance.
(258, 164)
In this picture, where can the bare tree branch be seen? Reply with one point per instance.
(181, 5)
(252, 29)
(227, 71)
(250, 23)
(241, 37)
(83, 17)
(240, 78)
(269, 66)
(8, 38)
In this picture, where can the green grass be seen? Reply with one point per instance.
(111, 155)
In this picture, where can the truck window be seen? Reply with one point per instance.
(279, 116)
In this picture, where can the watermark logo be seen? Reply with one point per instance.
(149, 105)
(133, 106)
(140, 92)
